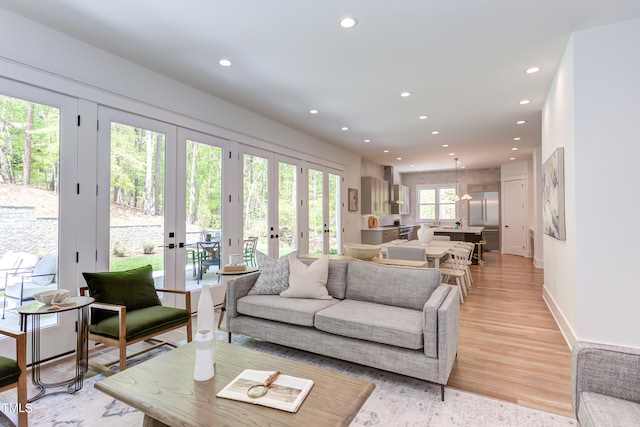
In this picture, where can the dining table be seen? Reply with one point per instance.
(435, 250)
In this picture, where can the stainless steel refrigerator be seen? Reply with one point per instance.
(484, 211)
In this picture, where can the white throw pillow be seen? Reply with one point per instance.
(307, 281)
(274, 275)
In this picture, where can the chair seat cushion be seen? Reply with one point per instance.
(133, 288)
(600, 410)
(143, 322)
(9, 371)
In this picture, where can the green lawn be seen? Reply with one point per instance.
(126, 263)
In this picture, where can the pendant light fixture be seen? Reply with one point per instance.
(457, 198)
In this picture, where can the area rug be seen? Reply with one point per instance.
(396, 401)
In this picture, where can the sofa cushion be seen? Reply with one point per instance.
(600, 410)
(274, 275)
(396, 326)
(307, 281)
(384, 284)
(337, 279)
(288, 310)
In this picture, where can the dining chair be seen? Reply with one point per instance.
(250, 245)
(455, 269)
(404, 252)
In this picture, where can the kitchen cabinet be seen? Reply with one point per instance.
(375, 196)
(377, 236)
(400, 199)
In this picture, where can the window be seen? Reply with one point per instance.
(436, 203)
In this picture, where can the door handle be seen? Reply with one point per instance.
(171, 246)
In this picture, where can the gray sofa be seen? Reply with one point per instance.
(606, 385)
(397, 319)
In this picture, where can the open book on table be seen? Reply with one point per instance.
(285, 393)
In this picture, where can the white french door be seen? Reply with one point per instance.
(137, 197)
(324, 210)
(271, 194)
(201, 209)
(38, 164)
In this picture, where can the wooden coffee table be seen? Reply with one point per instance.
(163, 388)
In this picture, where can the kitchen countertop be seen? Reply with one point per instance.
(449, 229)
(388, 227)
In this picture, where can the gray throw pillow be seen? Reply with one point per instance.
(274, 275)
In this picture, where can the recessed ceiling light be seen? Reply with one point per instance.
(344, 128)
(313, 111)
(452, 154)
(512, 158)
(514, 149)
(225, 63)
(517, 138)
(367, 140)
(462, 167)
(413, 166)
(405, 94)
(521, 122)
(385, 151)
(398, 158)
(524, 102)
(348, 22)
(423, 117)
(445, 145)
(532, 70)
(435, 132)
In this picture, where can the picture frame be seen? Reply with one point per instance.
(553, 215)
(353, 199)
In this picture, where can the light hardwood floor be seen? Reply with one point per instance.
(510, 348)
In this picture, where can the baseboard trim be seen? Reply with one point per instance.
(538, 262)
(565, 329)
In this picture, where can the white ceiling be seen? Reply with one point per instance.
(463, 62)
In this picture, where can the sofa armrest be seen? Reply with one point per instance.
(430, 321)
(238, 288)
(448, 333)
(605, 369)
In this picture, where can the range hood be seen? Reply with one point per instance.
(388, 176)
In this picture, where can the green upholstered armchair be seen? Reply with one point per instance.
(13, 373)
(127, 310)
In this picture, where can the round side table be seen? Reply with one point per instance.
(35, 310)
(226, 276)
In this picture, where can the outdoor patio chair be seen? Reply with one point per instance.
(13, 373)
(23, 283)
(208, 256)
(250, 246)
(127, 310)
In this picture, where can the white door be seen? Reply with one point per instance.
(515, 217)
(137, 191)
(199, 226)
(324, 210)
(270, 208)
(39, 174)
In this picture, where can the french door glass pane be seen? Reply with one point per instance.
(137, 199)
(316, 217)
(29, 190)
(334, 213)
(203, 213)
(287, 208)
(256, 199)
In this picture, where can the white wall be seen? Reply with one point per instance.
(607, 150)
(591, 111)
(42, 57)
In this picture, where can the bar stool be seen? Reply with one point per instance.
(480, 244)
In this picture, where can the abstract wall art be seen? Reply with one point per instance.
(553, 222)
